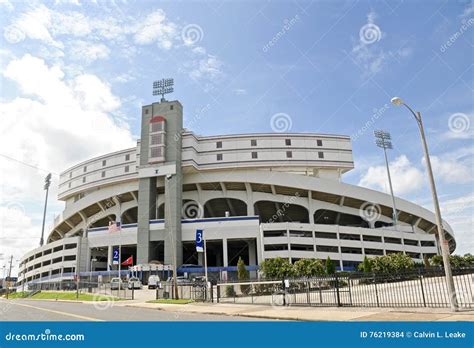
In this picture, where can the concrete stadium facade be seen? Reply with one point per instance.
(256, 196)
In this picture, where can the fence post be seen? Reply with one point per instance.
(376, 292)
(133, 292)
(218, 290)
(156, 295)
(308, 297)
(337, 291)
(422, 290)
(283, 292)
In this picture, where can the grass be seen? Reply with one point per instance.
(60, 295)
(171, 301)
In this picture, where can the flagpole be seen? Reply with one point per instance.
(205, 261)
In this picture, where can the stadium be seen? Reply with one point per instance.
(255, 196)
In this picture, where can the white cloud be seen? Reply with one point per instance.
(405, 177)
(7, 5)
(155, 27)
(55, 124)
(450, 170)
(88, 52)
(459, 212)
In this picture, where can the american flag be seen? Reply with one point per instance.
(114, 226)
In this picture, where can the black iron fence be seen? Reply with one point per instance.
(193, 291)
(421, 288)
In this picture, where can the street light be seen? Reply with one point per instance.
(47, 183)
(384, 141)
(439, 222)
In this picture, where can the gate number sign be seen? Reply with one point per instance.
(199, 241)
(115, 256)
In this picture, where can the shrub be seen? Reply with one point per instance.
(392, 263)
(308, 268)
(243, 275)
(277, 268)
(366, 265)
(330, 266)
(457, 261)
(229, 291)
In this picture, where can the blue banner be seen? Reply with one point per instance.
(223, 334)
(199, 241)
(115, 256)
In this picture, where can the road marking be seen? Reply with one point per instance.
(58, 312)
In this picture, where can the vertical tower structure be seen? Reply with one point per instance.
(160, 156)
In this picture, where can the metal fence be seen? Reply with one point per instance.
(86, 287)
(423, 288)
(193, 291)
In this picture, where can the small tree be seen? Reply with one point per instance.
(243, 275)
(330, 266)
(308, 268)
(426, 262)
(277, 268)
(366, 265)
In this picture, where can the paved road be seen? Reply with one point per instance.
(31, 310)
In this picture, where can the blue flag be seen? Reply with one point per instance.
(199, 241)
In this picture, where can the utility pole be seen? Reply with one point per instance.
(47, 183)
(384, 141)
(9, 275)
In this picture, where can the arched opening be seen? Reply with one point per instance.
(218, 207)
(191, 209)
(130, 216)
(331, 217)
(270, 211)
(103, 222)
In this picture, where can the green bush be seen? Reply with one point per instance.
(229, 291)
(243, 275)
(392, 263)
(366, 265)
(277, 268)
(457, 261)
(330, 266)
(308, 268)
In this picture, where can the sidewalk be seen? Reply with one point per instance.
(313, 313)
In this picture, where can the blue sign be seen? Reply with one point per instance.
(199, 241)
(115, 256)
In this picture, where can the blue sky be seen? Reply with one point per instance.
(74, 75)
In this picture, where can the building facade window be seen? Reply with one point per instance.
(171, 107)
(70, 175)
(84, 179)
(219, 145)
(219, 157)
(127, 169)
(254, 154)
(103, 174)
(287, 142)
(104, 162)
(253, 142)
(289, 154)
(319, 142)
(85, 169)
(320, 154)
(127, 157)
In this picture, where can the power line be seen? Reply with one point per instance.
(27, 164)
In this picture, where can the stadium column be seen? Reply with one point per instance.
(172, 114)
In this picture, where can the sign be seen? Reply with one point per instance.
(115, 256)
(199, 241)
(147, 172)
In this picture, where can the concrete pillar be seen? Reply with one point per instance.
(109, 257)
(225, 256)
(252, 252)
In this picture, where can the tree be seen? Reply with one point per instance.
(392, 263)
(366, 265)
(426, 262)
(243, 275)
(308, 268)
(277, 268)
(330, 266)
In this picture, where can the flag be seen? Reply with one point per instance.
(128, 262)
(114, 226)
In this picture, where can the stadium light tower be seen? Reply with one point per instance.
(384, 141)
(439, 222)
(47, 183)
(162, 87)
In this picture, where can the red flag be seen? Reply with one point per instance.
(128, 262)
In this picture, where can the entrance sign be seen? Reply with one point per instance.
(199, 241)
(115, 256)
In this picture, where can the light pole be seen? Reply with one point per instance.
(47, 183)
(439, 222)
(90, 274)
(384, 141)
